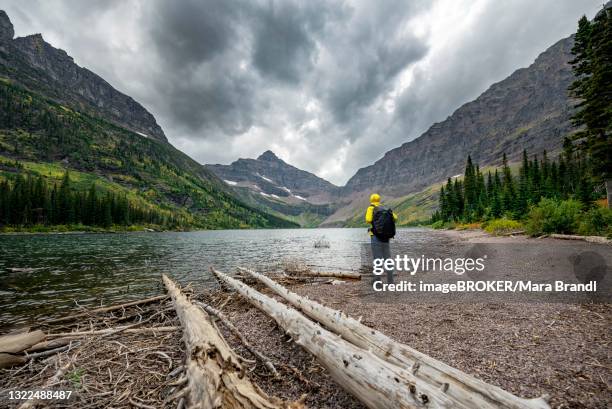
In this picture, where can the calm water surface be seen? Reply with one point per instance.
(48, 274)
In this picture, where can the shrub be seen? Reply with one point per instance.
(437, 225)
(501, 226)
(597, 222)
(442, 225)
(468, 226)
(553, 216)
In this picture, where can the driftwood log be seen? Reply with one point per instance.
(372, 380)
(215, 377)
(590, 239)
(107, 309)
(110, 331)
(460, 386)
(17, 342)
(12, 346)
(335, 274)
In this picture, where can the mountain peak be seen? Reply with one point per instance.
(268, 156)
(7, 32)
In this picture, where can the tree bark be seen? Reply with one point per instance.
(216, 379)
(609, 192)
(458, 385)
(375, 382)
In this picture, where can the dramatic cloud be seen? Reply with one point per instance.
(327, 85)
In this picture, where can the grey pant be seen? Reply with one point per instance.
(381, 250)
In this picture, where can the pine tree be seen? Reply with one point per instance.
(592, 66)
(523, 187)
(65, 209)
(107, 218)
(508, 191)
(469, 183)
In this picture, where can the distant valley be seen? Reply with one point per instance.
(57, 117)
(529, 110)
(115, 141)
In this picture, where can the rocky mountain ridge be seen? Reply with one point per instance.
(271, 177)
(35, 64)
(530, 110)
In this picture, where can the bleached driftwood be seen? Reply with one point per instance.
(215, 377)
(458, 385)
(9, 360)
(375, 382)
(113, 330)
(335, 274)
(590, 239)
(12, 345)
(107, 309)
(50, 344)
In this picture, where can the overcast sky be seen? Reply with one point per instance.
(329, 86)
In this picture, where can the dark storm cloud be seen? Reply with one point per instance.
(217, 55)
(191, 32)
(372, 76)
(329, 85)
(283, 45)
(373, 50)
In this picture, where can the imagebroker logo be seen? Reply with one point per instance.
(412, 265)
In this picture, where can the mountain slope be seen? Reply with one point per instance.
(38, 66)
(271, 176)
(530, 109)
(45, 130)
(271, 184)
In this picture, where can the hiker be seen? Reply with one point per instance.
(382, 221)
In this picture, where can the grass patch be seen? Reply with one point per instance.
(75, 377)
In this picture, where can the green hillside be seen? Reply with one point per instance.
(41, 137)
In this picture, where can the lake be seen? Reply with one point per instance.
(48, 274)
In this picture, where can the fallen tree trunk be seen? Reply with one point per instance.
(335, 274)
(590, 239)
(216, 379)
(8, 360)
(45, 345)
(13, 343)
(109, 331)
(462, 387)
(107, 309)
(375, 382)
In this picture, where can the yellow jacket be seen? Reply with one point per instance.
(370, 214)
